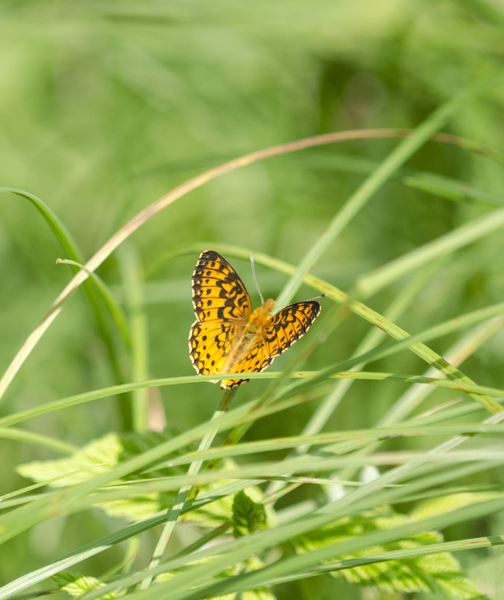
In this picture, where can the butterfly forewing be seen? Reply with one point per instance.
(288, 325)
(217, 291)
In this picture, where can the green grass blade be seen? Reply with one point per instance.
(61, 232)
(108, 297)
(417, 393)
(180, 501)
(388, 167)
(44, 441)
(371, 340)
(431, 549)
(72, 250)
(274, 444)
(133, 278)
(370, 284)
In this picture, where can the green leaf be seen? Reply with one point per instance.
(100, 456)
(77, 585)
(97, 457)
(248, 516)
(432, 573)
(221, 510)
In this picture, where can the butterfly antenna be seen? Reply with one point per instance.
(251, 256)
(315, 298)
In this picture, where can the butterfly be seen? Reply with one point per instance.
(227, 336)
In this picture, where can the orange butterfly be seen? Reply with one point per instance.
(227, 336)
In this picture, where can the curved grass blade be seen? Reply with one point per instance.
(30, 437)
(73, 252)
(121, 389)
(108, 297)
(61, 232)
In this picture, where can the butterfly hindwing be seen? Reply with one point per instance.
(210, 345)
(218, 293)
(256, 360)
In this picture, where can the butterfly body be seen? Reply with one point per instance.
(261, 316)
(227, 336)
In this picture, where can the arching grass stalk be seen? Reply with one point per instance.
(396, 159)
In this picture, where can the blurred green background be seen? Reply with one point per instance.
(106, 106)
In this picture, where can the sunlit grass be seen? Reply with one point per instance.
(118, 107)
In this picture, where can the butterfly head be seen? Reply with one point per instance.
(262, 314)
(269, 305)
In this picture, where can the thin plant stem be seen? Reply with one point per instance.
(184, 492)
(322, 414)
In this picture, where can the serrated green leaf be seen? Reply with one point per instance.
(218, 512)
(431, 573)
(97, 457)
(77, 585)
(100, 456)
(248, 516)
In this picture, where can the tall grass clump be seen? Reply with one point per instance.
(369, 464)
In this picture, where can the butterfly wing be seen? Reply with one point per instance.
(218, 293)
(288, 325)
(211, 344)
(283, 329)
(256, 360)
(222, 307)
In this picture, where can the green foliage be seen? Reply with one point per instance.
(100, 456)
(432, 573)
(221, 510)
(76, 585)
(96, 457)
(248, 516)
(108, 106)
(247, 566)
